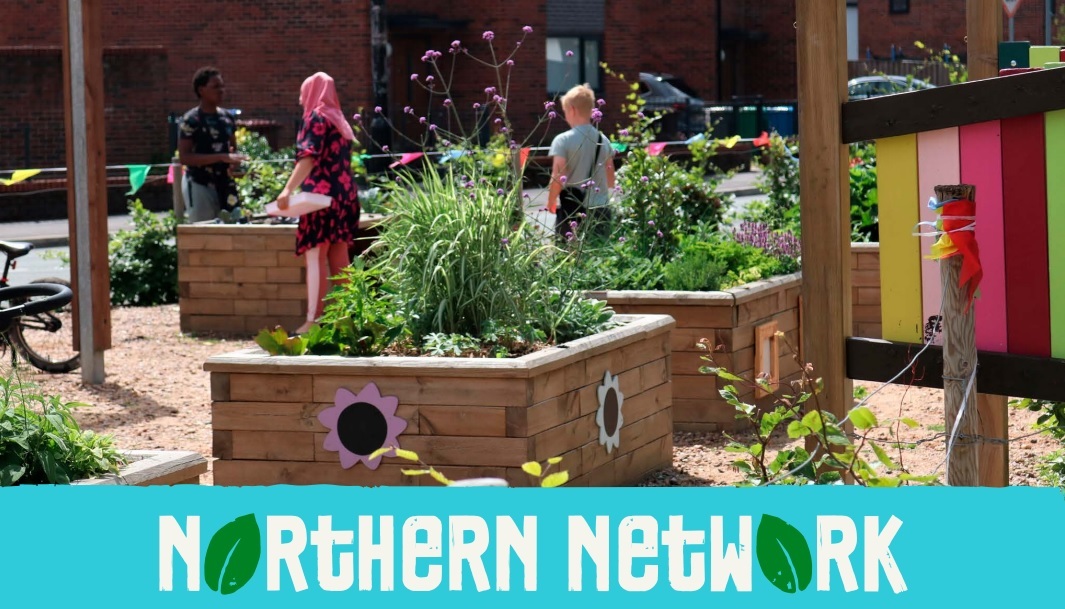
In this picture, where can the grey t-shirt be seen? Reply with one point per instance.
(578, 146)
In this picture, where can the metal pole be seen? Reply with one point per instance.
(1011, 29)
(92, 361)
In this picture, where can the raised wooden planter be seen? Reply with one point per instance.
(865, 289)
(241, 278)
(468, 417)
(728, 321)
(154, 468)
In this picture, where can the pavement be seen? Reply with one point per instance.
(55, 233)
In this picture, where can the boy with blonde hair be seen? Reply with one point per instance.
(582, 168)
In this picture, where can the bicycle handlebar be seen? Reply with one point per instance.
(58, 297)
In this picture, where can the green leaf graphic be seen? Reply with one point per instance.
(233, 555)
(783, 555)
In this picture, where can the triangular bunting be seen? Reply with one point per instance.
(655, 149)
(19, 176)
(406, 159)
(137, 175)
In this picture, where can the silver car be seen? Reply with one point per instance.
(865, 87)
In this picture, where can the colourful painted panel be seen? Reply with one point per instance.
(1039, 55)
(1025, 200)
(1055, 224)
(900, 251)
(938, 162)
(981, 166)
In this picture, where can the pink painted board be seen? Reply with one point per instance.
(938, 163)
(981, 165)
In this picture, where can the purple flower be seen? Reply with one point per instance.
(624, 133)
(476, 105)
(569, 236)
(414, 77)
(489, 90)
(489, 36)
(505, 241)
(573, 224)
(377, 109)
(421, 120)
(596, 116)
(357, 117)
(408, 110)
(621, 239)
(658, 234)
(432, 127)
(499, 191)
(498, 120)
(643, 179)
(562, 180)
(549, 105)
(510, 62)
(527, 29)
(503, 130)
(429, 79)
(551, 114)
(447, 102)
(446, 143)
(497, 99)
(600, 102)
(455, 44)
(384, 148)
(650, 223)
(640, 115)
(569, 53)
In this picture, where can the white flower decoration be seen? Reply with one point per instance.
(609, 417)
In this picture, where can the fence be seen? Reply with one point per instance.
(928, 71)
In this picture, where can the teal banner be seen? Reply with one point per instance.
(285, 546)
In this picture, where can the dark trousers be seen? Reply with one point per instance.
(570, 209)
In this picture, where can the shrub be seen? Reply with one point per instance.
(41, 443)
(143, 260)
(265, 176)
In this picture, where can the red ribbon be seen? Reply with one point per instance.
(965, 240)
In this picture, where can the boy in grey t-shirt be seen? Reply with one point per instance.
(582, 169)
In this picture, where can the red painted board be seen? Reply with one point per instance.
(1025, 230)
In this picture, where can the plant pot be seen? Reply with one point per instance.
(154, 468)
(238, 279)
(466, 417)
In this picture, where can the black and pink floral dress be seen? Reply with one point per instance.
(332, 176)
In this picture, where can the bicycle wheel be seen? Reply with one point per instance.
(47, 339)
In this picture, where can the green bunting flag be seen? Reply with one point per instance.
(619, 147)
(137, 175)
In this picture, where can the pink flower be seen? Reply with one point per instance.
(447, 102)
(476, 105)
(489, 36)
(357, 117)
(600, 102)
(569, 53)
(455, 44)
(551, 114)
(527, 29)
(377, 109)
(414, 77)
(510, 62)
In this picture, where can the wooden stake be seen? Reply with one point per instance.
(959, 362)
(983, 33)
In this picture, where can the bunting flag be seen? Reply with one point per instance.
(406, 159)
(523, 156)
(618, 146)
(450, 155)
(761, 140)
(137, 175)
(170, 175)
(19, 176)
(730, 142)
(698, 137)
(655, 148)
(958, 238)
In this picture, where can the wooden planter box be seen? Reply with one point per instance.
(241, 278)
(728, 321)
(467, 417)
(154, 468)
(865, 289)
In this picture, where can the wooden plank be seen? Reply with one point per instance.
(631, 468)
(967, 103)
(1026, 174)
(993, 411)
(821, 42)
(983, 25)
(706, 411)
(219, 387)
(984, 167)
(938, 162)
(273, 445)
(522, 422)
(462, 421)
(450, 450)
(274, 416)
(900, 253)
(1055, 222)
(153, 468)
(564, 438)
(257, 473)
(1001, 374)
(270, 388)
(632, 356)
(1039, 55)
(440, 391)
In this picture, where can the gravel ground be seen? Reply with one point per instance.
(157, 396)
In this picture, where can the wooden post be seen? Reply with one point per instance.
(178, 196)
(824, 189)
(983, 33)
(959, 361)
(83, 87)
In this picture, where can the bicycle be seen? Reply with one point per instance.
(42, 330)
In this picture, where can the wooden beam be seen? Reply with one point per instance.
(953, 106)
(1004, 374)
(825, 196)
(983, 34)
(83, 86)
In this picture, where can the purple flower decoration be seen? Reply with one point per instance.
(489, 36)
(360, 424)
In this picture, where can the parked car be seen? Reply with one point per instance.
(682, 109)
(865, 87)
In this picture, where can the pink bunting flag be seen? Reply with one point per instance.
(406, 159)
(655, 148)
(170, 175)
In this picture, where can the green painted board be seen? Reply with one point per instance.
(1038, 56)
(1055, 160)
(1013, 54)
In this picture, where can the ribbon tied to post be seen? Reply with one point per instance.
(956, 229)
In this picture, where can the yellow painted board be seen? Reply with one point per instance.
(1039, 55)
(900, 251)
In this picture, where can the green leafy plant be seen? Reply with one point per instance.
(863, 190)
(800, 416)
(143, 259)
(41, 443)
(278, 342)
(264, 175)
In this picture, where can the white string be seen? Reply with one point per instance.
(957, 424)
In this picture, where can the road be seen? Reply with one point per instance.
(40, 263)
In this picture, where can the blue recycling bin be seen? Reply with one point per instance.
(780, 119)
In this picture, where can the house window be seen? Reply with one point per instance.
(899, 7)
(572, 60)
